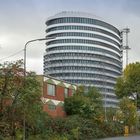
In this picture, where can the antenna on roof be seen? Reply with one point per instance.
(126, 46)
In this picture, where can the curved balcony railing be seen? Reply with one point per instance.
(117, 69)
(84, 60)
(99, 54)
(84, 72)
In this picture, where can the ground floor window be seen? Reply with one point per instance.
(51, 107)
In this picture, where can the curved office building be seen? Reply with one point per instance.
(85, 51)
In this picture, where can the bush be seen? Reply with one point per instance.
(90, 130)
(1, 137)
(74, 127)
(112, 129)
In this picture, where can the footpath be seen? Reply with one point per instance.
(137, 137)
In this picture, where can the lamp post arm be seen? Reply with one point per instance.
(25, 48)
(40, 39)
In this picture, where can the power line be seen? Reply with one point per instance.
(14, 54)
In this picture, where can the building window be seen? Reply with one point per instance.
(73, 91)
(51, 90)
(51, 107)
(66, 92)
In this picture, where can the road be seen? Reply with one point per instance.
(124, 138)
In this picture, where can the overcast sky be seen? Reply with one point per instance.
(23, 20)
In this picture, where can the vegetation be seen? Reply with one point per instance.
(87, 105)
(127, 112)
(20, 99)
(128, 91)
(128, 85)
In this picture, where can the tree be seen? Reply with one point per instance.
(127, 113)
(87, 105)
(111, 114)
(128, 85)
(11, 83)
(19, 100)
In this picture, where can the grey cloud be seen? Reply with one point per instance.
(22, 20)
(132, 7)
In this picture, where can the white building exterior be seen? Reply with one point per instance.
(86, 51)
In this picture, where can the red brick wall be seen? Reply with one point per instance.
(70, 92)
(59, 95)
(58, 112)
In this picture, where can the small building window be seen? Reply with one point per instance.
(51, 90)
(51, 107)
(66, 92)
(73, 92)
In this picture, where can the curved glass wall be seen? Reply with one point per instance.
(84, 35)
(83, 41)
(85, 28)
(82, 54)
(83, 21)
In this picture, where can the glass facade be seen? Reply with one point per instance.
(82, 54)
(83, 21)
(85, 28)
(83, 48)
(78, 34)
(83, 41)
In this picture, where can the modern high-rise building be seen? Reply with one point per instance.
(86, 51)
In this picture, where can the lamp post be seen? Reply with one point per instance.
(25, 49)
(137, 121)
(104, 87)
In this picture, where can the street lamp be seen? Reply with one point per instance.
(25, 49)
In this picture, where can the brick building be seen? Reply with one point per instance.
(54, 93)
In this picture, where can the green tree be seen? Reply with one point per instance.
(87, 105)
(111, 114)
(128, 85)
(19, 100)
(10, 84)
(127, 113)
